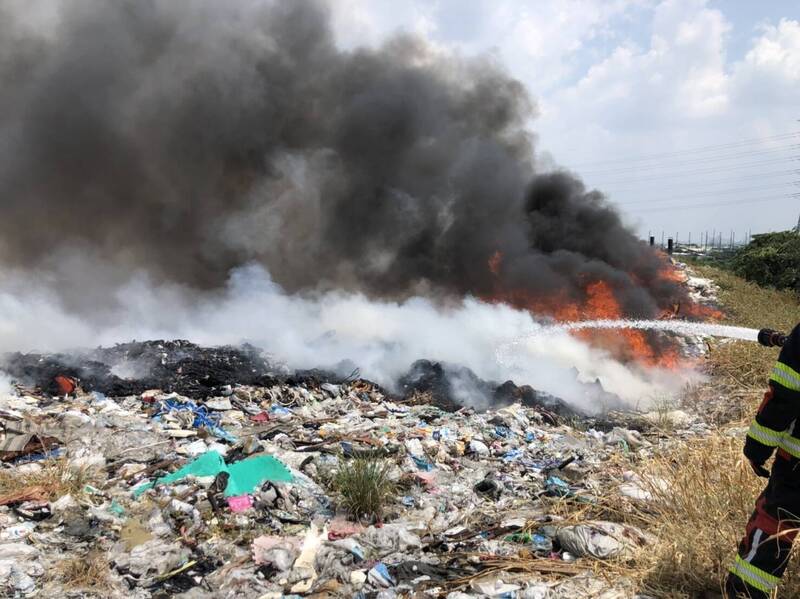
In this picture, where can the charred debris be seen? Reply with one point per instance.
(199, 373)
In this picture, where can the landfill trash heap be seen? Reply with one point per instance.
(164, 469)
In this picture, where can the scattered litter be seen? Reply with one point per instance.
(215, 477)
(242, 477)
(240, 503)
(379, 576)
(601, 540)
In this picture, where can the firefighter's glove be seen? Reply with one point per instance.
(759, 469)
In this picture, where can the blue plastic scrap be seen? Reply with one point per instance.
(512, 455)
(383, 573)
(541, 465)
(556, 487)
(422, 463)
(202, 417)
(444, 434)
(358, 552)
(502, 431)
(38, 457)
(542, 543)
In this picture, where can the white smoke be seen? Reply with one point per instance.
(5, 386)
(317, 330)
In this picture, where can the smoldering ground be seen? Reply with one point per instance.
(154, 147)
(382, 337)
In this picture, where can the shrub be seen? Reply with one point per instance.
(363, 487)
(771, 260)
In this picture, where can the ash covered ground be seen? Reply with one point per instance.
(198, 373)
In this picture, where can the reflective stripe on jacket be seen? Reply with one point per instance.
(774, 423)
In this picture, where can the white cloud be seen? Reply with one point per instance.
(680, 76)
(769, 74)
(541, 43)
(369, 22)
(622, 78)
(683, 90)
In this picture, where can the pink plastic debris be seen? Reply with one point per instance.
(339, 528)
(240, 503)
(427, 478)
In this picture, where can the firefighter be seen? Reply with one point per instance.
(764, 550)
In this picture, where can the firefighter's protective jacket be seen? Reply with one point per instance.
(775, 424)
(767, 543)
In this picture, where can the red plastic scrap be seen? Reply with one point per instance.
(149, 397)
(66, 384)
(262, 417)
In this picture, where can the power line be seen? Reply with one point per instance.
(733, 190)
(681, 177)
(700, 149)
(715, 204)
(703, 160)
(714, 169)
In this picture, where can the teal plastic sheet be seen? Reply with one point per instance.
(243, 476)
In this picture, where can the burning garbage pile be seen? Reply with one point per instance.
(389, 211)
(373, 216)
(198, 373)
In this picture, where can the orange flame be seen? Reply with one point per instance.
(494, 262)
(599, 302)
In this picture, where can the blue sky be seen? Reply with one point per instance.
(628, 90)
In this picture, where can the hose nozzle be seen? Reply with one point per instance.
(770, 338)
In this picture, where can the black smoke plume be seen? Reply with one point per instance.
(186, 138)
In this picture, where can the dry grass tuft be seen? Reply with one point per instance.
(748, 305)
(739, 369)
(703, 490)
(55, 479)
(703, 494)
(87, 573)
